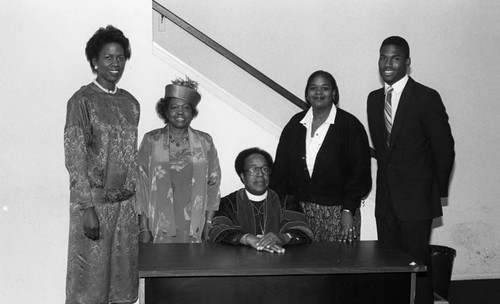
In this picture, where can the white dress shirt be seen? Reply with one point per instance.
(314, 142)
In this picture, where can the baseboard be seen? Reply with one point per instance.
(477, 276)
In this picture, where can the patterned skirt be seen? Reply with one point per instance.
(324, 221)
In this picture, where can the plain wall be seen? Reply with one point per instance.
(454, 48)
(42, 64)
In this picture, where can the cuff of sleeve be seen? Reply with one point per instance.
(298, 237)
(243, 238)
(83, 202)
(350, 205)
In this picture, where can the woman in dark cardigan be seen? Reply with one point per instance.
(323, 162)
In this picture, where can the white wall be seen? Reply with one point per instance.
(42, 62)
(454, 49)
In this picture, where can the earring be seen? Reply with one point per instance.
(95, 67)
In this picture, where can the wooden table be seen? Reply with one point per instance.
(362, 272)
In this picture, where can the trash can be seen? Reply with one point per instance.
(442, 264)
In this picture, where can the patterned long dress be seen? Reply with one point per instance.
(181, 173)
(100, 142)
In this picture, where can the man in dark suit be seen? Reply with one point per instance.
(414, 149)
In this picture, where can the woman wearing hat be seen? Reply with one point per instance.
(179, 172)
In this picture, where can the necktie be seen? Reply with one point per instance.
(388, 113)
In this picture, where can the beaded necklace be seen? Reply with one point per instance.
(178, 141)
(104, 89)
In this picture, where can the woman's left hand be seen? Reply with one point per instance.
(348, 231)
(205, 236)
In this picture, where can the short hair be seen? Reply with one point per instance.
(239, 163)
(102, 37)
(330, 79)
(162, 107)
(399, 42)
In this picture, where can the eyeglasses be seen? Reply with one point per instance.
(255, 170)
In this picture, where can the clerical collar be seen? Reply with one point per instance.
(104, 89)
(256, 198)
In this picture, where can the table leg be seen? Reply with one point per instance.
(413, 289)
(141, 291)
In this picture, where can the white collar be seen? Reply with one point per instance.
(104, 89)
(399, 85)
(256, 198)
(329, 120)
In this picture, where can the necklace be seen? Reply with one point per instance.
(260, 215)
(178, 141)
(104, 89)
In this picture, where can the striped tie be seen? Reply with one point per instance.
(388, 113)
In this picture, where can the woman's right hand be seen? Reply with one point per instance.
(145, 235)
(90, 224)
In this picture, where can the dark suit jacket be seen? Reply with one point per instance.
(414, 171)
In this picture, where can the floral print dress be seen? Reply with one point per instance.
(181, 171)
(175, 189)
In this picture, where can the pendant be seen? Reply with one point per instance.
(178, 142)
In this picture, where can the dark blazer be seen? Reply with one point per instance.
(342, 171)
(414, 171)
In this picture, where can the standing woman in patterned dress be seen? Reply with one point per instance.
(100, 142)
(178, 190)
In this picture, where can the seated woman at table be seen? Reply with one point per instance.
(254, 215)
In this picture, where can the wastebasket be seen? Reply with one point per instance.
(442, 258)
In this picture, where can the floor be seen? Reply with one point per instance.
(474, 292)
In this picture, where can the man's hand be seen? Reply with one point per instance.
(270, 242)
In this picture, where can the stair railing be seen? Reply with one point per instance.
(228, 55)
